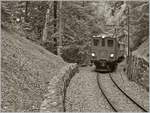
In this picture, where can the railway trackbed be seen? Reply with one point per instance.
(118, 100)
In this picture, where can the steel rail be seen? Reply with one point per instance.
(127, 95)
(104, 94)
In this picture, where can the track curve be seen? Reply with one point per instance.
(126, 94)
(105, 95)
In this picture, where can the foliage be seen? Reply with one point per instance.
(13, 12)
(71, 54)
(79, 23)
(80, 20)
(138, 20)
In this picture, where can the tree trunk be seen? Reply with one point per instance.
(26, 11)
(55, 25)
(44, 37)
(60, 29)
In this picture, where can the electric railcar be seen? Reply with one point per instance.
(106, 52)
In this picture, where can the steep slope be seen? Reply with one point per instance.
(26, 69)
(143, 50)
(140, 65)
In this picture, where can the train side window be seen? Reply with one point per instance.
(110, 43)
(95, 42)
(103, 42)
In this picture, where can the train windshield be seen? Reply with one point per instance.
(110, 43)
(95, 42)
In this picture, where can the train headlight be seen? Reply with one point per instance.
(103, 36)
(111, 55)
(93, 54)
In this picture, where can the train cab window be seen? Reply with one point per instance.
(95, 42)
(110, 43)
(103, 42)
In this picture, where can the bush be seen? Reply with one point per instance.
(49, 46)
(71, 54)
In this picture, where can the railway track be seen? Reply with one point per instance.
(100, 87)
(115, 109)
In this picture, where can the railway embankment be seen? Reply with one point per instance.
(140, 71)
(55, 98)
(28, 73)
(140, 65)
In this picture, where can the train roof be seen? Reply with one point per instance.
(103, 35)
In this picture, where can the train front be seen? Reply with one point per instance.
(103, 52)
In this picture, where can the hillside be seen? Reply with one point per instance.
(140, 65)
(143, 50)
(26, 69)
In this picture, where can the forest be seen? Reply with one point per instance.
(66, 27)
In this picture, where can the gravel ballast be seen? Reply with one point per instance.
(84, 95)
(116, 97)
(135, 91)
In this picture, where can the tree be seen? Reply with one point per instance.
(74, 23)
(138, 20)
(26, 11)
(44, 37)
(26, 14)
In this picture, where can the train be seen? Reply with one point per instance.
(106, 52)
